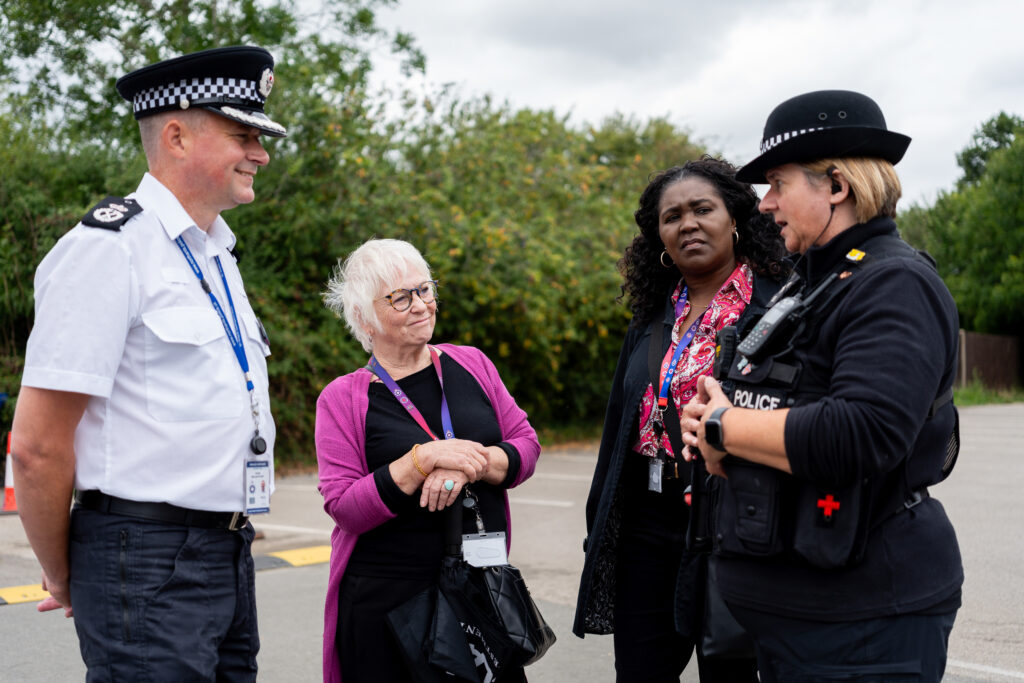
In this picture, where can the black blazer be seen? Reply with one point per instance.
(631, 379)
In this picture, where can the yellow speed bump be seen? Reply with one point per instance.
(305, 556)
(17, 594)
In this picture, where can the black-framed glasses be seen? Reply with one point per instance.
(401, 298)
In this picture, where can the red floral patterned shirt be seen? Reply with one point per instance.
(698, 358)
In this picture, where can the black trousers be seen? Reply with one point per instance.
(908, 647)
(162, 602)
(648, 649)
(366, 646)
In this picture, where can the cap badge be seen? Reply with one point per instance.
(266, 82)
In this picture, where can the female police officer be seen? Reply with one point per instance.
(836, 414)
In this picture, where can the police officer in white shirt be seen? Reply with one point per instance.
(145, 391)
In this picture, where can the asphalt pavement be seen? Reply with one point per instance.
(983, 498)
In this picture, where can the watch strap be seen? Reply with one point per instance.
(716, 416)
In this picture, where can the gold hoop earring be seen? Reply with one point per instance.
(661, 258)
(735, 236)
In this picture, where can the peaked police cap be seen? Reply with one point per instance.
(821, 125)
(233, 82)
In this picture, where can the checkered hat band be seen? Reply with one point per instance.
(198, 90)
(768, 143)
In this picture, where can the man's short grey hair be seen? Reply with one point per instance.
(150, 127)
(370, 272)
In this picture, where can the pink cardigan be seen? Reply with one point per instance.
(350, 494)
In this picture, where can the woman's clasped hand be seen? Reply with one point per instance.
(456, 460)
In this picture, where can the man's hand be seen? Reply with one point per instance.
(43, 461)
(60, 597)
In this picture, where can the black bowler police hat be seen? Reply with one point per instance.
(231, 81)
(821, 125)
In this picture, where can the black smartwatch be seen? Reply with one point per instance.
(713, 433)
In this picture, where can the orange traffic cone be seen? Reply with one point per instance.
(10, 504)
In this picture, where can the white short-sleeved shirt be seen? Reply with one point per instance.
(121, 316)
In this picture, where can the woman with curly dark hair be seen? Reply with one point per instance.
(705, 258)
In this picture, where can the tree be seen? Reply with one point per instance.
(976, 232)
(996, 133)
(68, 139)
(522, 215)
(64, 55)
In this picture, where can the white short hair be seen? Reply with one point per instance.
(373, 268)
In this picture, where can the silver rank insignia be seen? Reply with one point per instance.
(111, 213)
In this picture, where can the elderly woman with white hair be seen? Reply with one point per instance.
(397, 441)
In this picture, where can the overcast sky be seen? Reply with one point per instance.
(717, 68)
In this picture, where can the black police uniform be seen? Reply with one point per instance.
(852, 536)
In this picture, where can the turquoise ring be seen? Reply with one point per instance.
(449, 484)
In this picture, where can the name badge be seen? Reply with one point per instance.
(484, 550)
(257, 487)
(654, 471)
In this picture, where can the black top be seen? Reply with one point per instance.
(410, 545)
(883, 352)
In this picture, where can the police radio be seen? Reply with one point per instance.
(781, 322)
(782, 318)
(725, 351)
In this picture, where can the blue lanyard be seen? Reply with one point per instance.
(670, 372)
(446, 418)
(234, 335)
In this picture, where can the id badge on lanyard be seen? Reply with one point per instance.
(656, 467)
(481, 549)
(257, 486)
(256, 476)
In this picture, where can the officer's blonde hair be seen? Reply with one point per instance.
(370, 272)
(874, 185)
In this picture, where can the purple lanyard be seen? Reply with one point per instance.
(666, 379)
(446, 417)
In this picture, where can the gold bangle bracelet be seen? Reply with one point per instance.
(416, 462)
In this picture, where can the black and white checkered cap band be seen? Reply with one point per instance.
(198, 90)
(774, 140)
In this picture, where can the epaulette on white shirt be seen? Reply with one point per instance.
(112, 213)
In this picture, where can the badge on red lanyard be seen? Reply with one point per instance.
(481, 549)
(446, 419)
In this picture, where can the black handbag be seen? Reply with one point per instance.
(492, 595)
(431, 640)
(524, 624)
(482, 621)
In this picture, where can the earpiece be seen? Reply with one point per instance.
(836, 187)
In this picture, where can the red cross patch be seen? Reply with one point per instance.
(828, 505)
